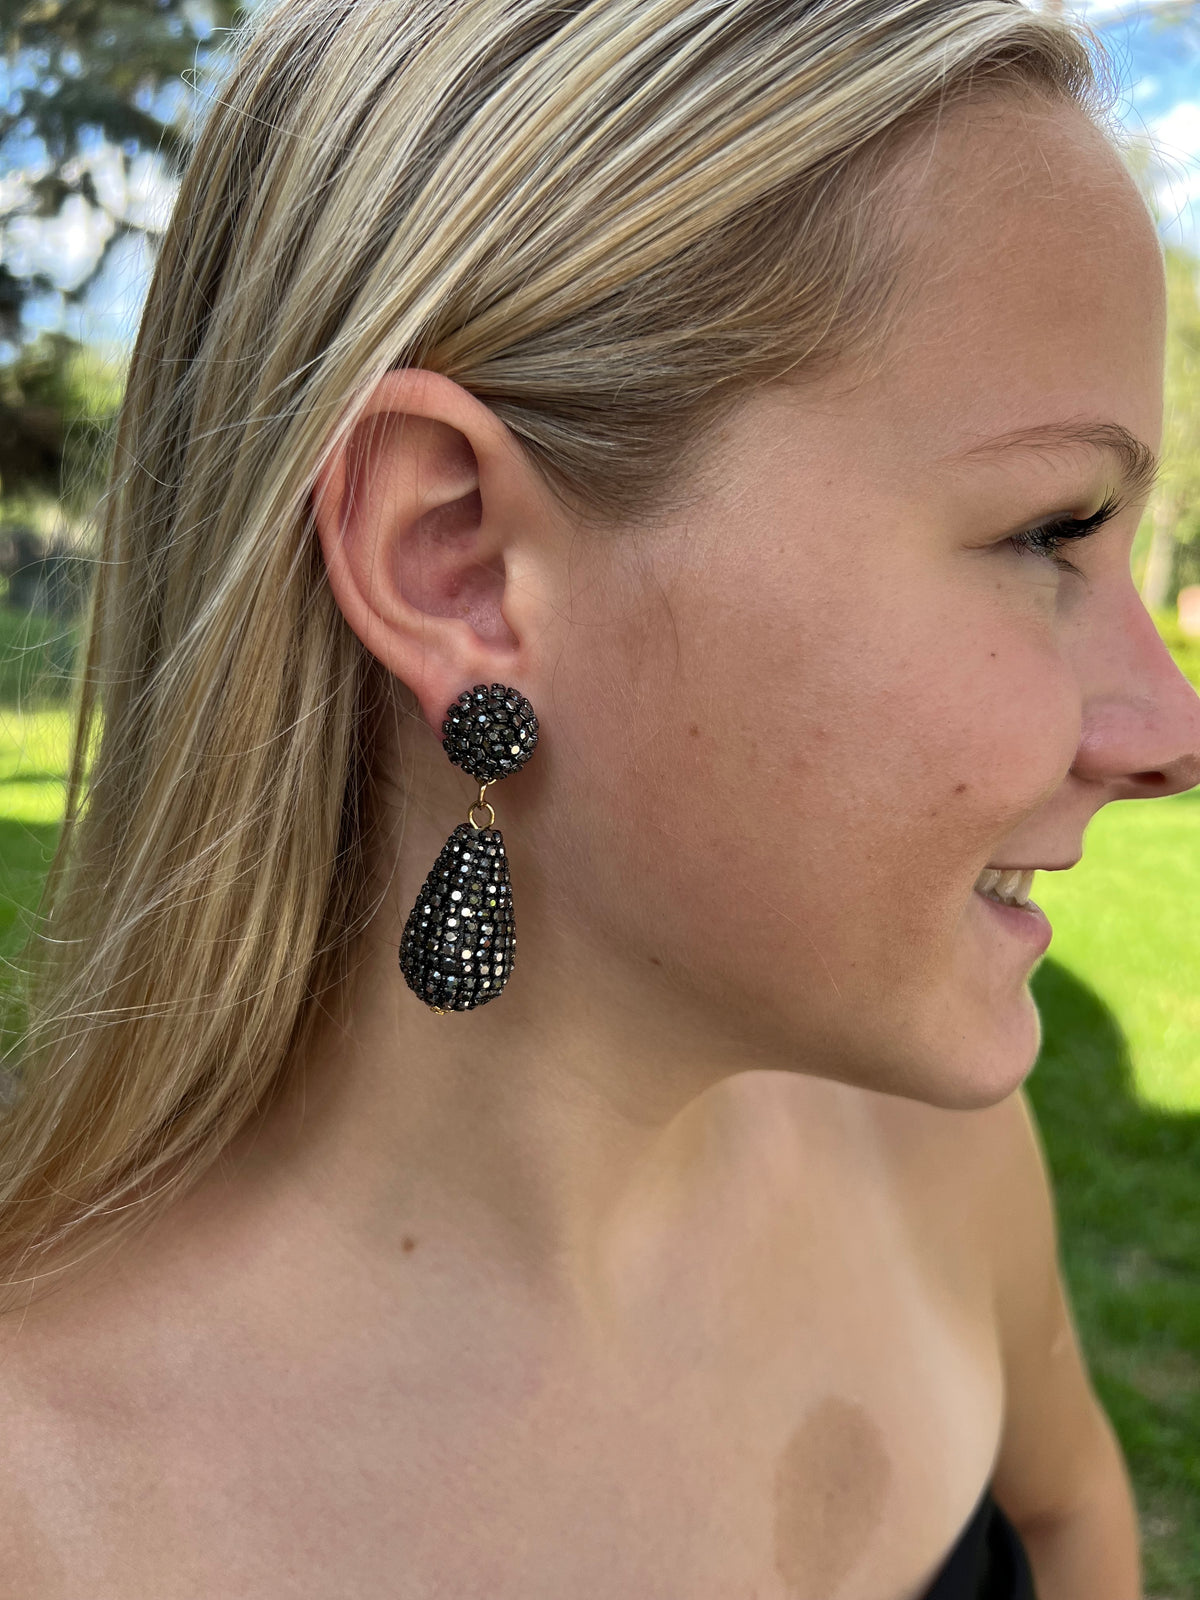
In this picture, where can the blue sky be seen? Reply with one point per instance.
(1158, 71)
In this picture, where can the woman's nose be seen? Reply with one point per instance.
(1141, 717)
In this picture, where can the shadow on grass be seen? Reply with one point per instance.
(30, 775)
(1125, 1180)
(38, 658)
(26, 850)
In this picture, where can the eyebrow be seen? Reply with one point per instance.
(1137, 463)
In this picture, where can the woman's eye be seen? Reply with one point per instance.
(1048, 539)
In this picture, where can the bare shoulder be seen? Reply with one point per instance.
(991, 1166)
(988, 1164)
(982, 1171)
(1057, 1440)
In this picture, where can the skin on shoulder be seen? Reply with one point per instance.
(1059, 1471)
(1046, 1457)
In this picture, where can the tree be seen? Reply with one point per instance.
(1170, 13)
(1173, 515)
(65, 398)
(1175, 506)
(88, 83)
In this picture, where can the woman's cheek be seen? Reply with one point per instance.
(1025, 722)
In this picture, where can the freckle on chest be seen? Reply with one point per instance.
(831, 1485)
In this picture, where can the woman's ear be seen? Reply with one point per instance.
(424, 509)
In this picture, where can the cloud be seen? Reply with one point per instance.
(1178, 130)
(65, 247)
(1175, 137)
(1096, 11)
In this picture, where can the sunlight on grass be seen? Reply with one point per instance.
(33, 759)
(29, 738)
(1125, 921)
(33, 762)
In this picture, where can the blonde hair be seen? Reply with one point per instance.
(607, 219)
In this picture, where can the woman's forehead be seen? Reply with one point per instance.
(1035, 292)
(1014, 219)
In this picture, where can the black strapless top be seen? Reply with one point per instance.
(989, 1561)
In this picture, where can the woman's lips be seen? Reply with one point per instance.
(1028, 922)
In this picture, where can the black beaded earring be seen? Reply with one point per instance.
(458, 943)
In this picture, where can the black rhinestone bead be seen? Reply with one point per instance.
(490, 732)
(440, 968)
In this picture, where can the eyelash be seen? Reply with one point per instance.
(1049, 538)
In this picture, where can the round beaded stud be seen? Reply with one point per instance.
(459, 941)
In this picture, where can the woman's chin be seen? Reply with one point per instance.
(996, 1054)
(968, 1058)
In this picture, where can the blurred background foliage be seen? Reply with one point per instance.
(97, 100)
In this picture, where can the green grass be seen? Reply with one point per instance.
(1128, 916)
(37, 658)
(1185, 650)
(1117, 1094)
(33, 754)
(1116, 1090)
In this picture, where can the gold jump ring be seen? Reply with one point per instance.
(481, 805)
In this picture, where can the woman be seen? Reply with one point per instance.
(725, 380)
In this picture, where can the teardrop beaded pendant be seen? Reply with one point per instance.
(459, 941)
